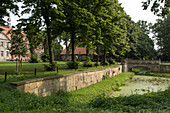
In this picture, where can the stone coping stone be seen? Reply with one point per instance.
(55, 76)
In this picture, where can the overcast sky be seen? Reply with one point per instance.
(131, 7)
(135, 10)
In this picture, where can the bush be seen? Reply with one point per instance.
(45, 57)
(88, 62)
(73, 64)
(111, 61)
(50, 67)
(34, 59)
(97, 64)
(106, 63)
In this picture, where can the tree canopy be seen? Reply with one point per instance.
(162, 35)
(158, 7)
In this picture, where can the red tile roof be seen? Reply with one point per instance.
(5, 31)
(78, 50)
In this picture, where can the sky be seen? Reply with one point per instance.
(135, 10)
(131, 7)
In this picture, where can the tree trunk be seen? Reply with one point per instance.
(97, 54)
(67, 51)
(45, 45)
(72, 45)
(87, 51)
(46, 14)
(17, 65)
(21, 66)
(51, 53)
(104, 56)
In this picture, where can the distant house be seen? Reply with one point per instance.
(80, 54)
(5, 44)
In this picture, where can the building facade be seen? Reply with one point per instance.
(4, 45)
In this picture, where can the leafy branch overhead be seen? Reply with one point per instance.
(158, 7)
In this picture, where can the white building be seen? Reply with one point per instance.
(4, 44)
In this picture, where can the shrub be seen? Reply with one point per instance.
(97, 64)
(106, 63)
(45, 57)
(73, 64)
(111, 61)
(50, 67)
(34, 59)
(88, 62)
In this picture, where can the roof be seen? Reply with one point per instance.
(5, 31)
(78, 50)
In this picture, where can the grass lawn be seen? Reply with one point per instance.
(165, 63)
(92, 99)
(28, 70)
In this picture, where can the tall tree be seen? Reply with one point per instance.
(162, 36)
(76, 18)
(18, 45)
(43, 12)
(145, 46)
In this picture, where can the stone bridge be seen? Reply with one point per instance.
(153, 65)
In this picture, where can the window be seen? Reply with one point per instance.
(7, 44)
(2, 53)
(7, 53)
(2, 44)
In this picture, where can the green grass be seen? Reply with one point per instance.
(93, 99)
(104, 87)
(12, 100)
(28, 70)
(165, 63)
(139, 69)
(167, 75)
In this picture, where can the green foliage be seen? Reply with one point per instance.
(150, 102)
(21, 101)
(97, 64)
(105, 77)
(88, 62)
(140, 43)
(103, 87)
(91, 99)
(7, 6)
(111, 61)
(162, 36)
(34, 59)
(104, 63)
(18, 44)
(167, 75)
(158, 7)
(73, 64)
(45, 57)
(50, 67)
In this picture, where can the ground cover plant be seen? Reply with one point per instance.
(94, 99)
(167, 75)
(21, 101)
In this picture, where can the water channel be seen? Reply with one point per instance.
(140, 84)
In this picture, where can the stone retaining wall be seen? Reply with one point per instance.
(165, 68)
(68, 82)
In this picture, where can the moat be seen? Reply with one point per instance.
(142, 84)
